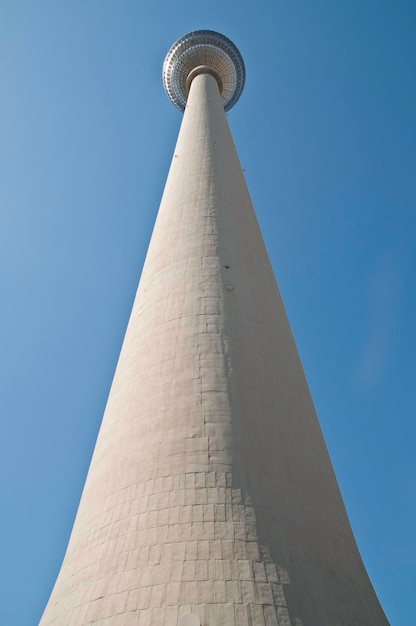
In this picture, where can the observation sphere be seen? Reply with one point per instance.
(203, 51)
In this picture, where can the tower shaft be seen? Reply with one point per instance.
(210, 490)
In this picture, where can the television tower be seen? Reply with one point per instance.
(210, 499)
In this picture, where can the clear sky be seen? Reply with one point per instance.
(325, 130)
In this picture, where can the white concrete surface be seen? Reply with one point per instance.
(210, 490)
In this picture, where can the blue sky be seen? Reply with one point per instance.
(325, 130)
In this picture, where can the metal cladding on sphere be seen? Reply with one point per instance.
(203, 51)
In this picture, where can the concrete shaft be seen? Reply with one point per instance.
(210, 490)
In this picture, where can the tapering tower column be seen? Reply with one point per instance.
(210, 498)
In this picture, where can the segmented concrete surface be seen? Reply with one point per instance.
(210, 489)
